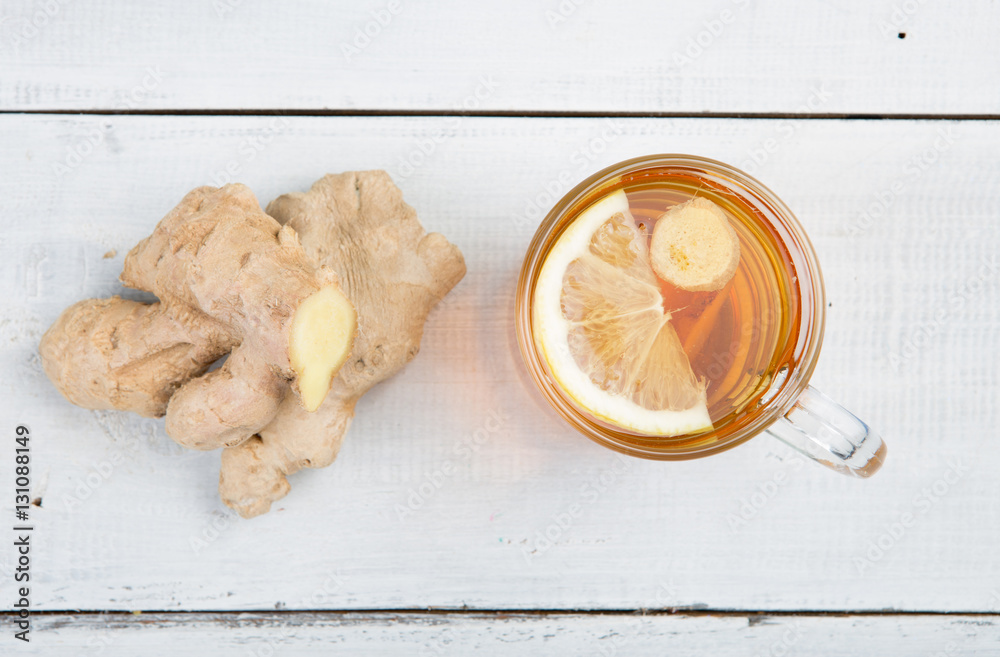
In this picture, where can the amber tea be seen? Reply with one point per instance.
(734, 337)
(640, 355)
(671, 307)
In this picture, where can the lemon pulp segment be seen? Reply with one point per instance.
(599, 323)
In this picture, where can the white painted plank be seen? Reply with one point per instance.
(438, 635)
(652, 535)
(558, 55)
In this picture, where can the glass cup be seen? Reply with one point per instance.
(789, 408)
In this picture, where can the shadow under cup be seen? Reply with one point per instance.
(793, 356)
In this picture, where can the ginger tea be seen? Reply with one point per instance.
(650, 374)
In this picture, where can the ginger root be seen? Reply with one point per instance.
(695, 247)
(231, 279)
(394, 272)
(121, 354)
(218, 262)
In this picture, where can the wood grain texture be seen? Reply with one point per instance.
(558, 55)
(531, 515)
(511, 634)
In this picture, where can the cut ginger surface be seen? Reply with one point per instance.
(695, 247)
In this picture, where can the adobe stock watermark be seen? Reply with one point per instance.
(580, 161)
(783, 645)
(439, 644)
(249, 149)
(954, 648)
(99, 643)
(667, 595)
(424, 147)
(212, 529)
(34, 259)
(562, 12)
(749, 333)
(561, 522)
(15, 32)
(751, 504)
(370, 30)
(759, 154)
(463, 452)
(914, 169)
(713, 28)
(922, 335)
(615, 642)
(79, 151)
(331, 584)
(100, 472)
(901, 14)
(928, 498)
(96, 476)
(224, 7)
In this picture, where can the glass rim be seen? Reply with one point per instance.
(784, 390)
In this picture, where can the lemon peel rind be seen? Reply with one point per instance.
(551, 331)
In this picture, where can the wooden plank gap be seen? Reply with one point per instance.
(515, 114)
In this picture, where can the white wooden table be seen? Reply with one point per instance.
(877, 122)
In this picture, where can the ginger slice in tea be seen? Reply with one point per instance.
(694, 246)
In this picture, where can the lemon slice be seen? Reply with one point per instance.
(600, 325)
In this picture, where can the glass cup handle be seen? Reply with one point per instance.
(828, 433)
